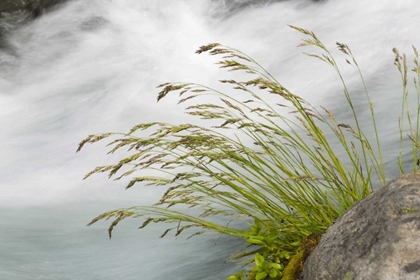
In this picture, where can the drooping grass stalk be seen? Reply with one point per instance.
(278, 176)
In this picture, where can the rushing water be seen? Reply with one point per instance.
(92, 66)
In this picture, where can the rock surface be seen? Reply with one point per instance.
(377, 238)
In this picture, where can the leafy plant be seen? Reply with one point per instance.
(277, 175)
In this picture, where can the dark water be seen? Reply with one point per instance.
(92, 66)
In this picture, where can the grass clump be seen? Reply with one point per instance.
(277, 180)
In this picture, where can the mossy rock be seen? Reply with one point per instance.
(295, 266)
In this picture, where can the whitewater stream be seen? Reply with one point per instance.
(93, 66)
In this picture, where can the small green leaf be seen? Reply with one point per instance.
(275, 266)
(285, 255)
(237, 276)
(261, 275)
(273, 273)
(259, 260)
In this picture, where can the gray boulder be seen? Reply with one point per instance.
(377, 238)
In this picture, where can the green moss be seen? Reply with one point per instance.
(349, 275)
(409, 210)
(295, 266)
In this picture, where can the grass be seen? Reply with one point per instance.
(277, 180)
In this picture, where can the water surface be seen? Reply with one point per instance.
(92, 66)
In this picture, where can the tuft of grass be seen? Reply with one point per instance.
(277, 180)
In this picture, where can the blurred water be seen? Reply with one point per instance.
(92, 66)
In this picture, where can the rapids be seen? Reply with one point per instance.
(92, 66)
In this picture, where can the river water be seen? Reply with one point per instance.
(92, 66)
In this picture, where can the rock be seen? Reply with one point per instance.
(377, 238)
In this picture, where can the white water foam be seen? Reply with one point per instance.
(92, 66)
